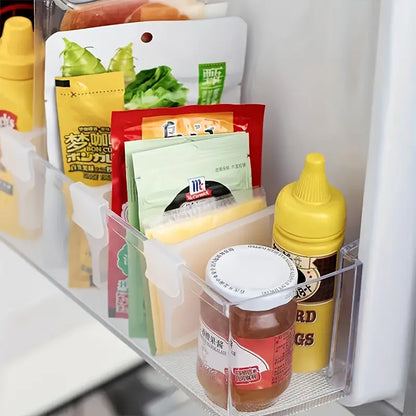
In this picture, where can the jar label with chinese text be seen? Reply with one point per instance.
(261, 363)
(212, 349)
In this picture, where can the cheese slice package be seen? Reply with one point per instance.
(172, 177)
(184, 223)
(173, 325)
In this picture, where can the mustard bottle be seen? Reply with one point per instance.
(309, 227)
(16, 74)
(16, 109)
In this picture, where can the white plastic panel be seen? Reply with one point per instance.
(312, 63)
(16, 151)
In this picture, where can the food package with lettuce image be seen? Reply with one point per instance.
(165, 64)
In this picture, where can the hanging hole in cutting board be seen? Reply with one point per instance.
(146, 37)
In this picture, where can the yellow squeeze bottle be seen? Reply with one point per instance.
(309, 227)
(16, 109)
(16, 74)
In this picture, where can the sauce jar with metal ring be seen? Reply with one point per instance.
(254, 341)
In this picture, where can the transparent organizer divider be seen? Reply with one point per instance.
(174, 271)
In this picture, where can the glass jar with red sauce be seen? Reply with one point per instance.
(250, 334)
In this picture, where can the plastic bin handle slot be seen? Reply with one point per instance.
(17, 156)
(89, 212)
(17, 151)
(162, 267)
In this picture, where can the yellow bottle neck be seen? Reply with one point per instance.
(309, 247)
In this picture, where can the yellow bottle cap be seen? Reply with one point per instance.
(16, 49)
(311, 207)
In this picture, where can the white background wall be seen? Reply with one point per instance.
(312, 63)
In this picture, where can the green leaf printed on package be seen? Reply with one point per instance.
(122, 259)
(155, 87)
(140, 325)
(211, 82)
(122, 61)
(79, 61)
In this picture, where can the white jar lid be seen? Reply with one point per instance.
(255, 275)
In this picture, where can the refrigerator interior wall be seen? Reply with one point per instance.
(312, 63)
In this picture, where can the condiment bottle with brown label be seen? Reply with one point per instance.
(309, 227)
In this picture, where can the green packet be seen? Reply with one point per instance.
(139, 303)
(175, 173)
(139, 311)
(136, 146)
(170, 177)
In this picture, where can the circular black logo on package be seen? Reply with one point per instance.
(196, 191)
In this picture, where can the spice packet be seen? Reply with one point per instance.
(170, 177)
(182, 174)
(137, 284)
(110, 12)
(173, 62)
(133, 267)
(84, 106)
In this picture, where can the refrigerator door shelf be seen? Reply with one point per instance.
(176, 271)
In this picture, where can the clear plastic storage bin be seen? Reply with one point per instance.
(49, 204)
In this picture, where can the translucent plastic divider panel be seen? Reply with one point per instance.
(256, 228)
(22, 186)
(165, 272)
